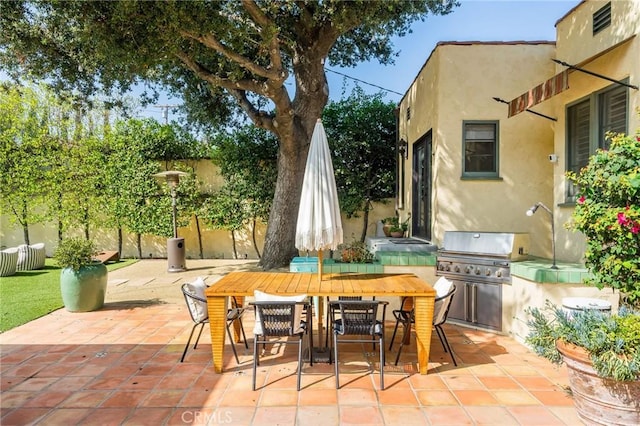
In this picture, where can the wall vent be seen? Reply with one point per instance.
(602, 18)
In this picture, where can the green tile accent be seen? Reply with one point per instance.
(401, 258)
(539, 270)
(550, 276)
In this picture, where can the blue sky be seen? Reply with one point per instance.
(473, 20)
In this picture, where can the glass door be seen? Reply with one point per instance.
(421, 188)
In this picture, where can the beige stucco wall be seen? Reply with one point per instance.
(615, 53)
(216, 243)
(458, 83)
(522, 294)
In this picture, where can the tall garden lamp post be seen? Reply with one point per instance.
(175, 245)
(531, 212)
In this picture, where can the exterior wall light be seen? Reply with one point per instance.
(403, 149)
(531, 212)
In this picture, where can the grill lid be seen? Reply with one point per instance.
(509, 245)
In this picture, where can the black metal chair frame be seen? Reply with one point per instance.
(332, 307)
(277, 320)
(233, 314)
(407, 318)
(359, 318)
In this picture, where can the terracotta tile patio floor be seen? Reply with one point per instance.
(120, 365)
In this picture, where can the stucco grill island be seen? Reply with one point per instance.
(479, 263)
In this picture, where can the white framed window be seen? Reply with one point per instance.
(480, 149)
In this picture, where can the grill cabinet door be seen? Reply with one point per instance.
(488, 301)
(458, 310)
(477, 303)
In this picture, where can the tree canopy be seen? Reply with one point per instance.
(219, 55)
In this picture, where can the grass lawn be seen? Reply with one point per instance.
(28, 295)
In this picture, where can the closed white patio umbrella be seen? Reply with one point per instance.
(319, 225)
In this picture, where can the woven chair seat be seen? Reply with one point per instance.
(280, 320)
(358, 318)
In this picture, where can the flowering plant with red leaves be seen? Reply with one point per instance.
(608, 214)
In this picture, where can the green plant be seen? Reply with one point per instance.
(612, 341)
(608, 214)
(391, 220)
(355, 252)
(400, 226)
(74, 253)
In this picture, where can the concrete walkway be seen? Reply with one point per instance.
(120, 365)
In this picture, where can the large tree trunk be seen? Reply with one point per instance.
(279, 245)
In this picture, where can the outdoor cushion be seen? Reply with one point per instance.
(442, 286)
(8, 261)
(30, 257)
(261, 296)
(198, 308)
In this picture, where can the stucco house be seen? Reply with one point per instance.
(468, 165)
(489, 129)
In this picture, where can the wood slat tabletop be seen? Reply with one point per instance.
(291, 283)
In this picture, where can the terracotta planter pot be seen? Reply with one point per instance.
(599, 401)
(397, 234)
(387, 230)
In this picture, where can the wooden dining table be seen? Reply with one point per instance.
(242, 284)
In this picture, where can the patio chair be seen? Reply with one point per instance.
(358, 318)
(331, 315)
(276, 322)
(440, 312)
(197, 304)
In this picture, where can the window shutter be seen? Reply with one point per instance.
(613, 114)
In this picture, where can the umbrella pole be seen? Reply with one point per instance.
(320, 300)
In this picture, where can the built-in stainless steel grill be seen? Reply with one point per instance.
(484, 256)
(479, 263)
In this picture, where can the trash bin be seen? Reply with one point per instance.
(176, 254)
(576, 304)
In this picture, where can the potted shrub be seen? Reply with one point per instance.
(602, 354)
(388, 223)
(83, 281)
(399, 229)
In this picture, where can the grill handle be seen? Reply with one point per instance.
(474, 296)
(466, 301)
